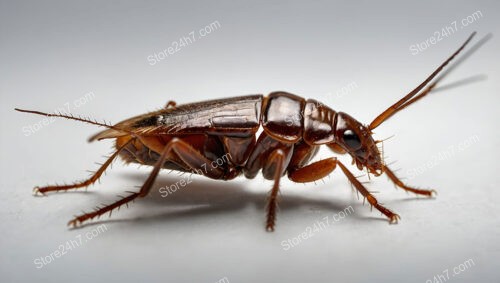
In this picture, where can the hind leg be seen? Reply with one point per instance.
(86, 182)
(170, 104)
(176, 146)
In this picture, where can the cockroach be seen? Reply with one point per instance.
(187, 137)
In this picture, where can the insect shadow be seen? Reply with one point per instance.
(202, 198)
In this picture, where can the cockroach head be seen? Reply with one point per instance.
(356, 139)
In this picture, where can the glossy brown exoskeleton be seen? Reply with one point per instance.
(190, 136)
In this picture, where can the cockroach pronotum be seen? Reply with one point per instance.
(187, 137)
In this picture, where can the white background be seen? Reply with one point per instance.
(54, 53)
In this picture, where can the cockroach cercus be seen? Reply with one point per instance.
(187, 137)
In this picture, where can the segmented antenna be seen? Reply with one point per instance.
(76, 118)
(410, 97)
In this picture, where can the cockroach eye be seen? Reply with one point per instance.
(351, 140)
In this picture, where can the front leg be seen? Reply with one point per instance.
(320, 169)
(400, 184)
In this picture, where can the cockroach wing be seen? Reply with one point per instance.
(236, 116)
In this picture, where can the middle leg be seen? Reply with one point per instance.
(277, 158)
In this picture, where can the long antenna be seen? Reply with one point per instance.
(406, 100)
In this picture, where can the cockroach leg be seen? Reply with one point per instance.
(314, 171)
(278, 158)
(336, 148)
(322, 168)
(393, 217)
(84, 183)
(399, 183)
(176, 145)
(170, 104)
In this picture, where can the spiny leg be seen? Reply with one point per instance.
(176, 145)
(86, 182)
(393, 217)
(277, 158)
(322, 168)
(170, 104)
(400, 184)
